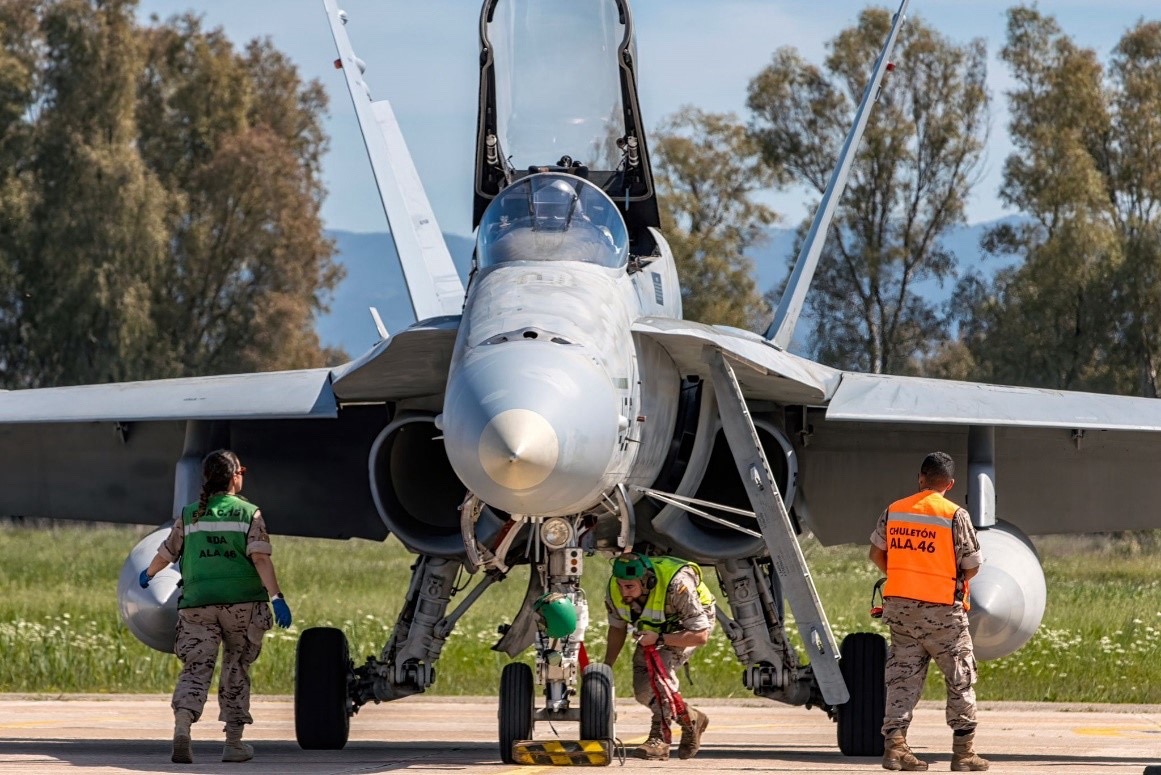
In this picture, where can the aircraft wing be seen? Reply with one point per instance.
(1059, 455)
(268, 396)
(884, 398)
(432, 281)
(108, 452)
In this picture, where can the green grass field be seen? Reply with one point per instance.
(60, 630)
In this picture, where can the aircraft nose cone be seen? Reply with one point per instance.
(531, 427)
(518, 449)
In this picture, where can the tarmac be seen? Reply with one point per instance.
(97, 734)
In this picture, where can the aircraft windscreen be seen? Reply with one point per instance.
(552, 217)
(558, 88)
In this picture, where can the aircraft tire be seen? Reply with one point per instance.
(515, 707)
(860, 719)
(322, 662)
(597, 703)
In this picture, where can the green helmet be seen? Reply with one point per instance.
(558, 613)
(631, 567)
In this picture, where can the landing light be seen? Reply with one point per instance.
(556, 533)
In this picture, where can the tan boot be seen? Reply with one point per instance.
(655, 748)
(182, 749)
(897, 755)
(235, 750)
(691, 735)
(963, 758)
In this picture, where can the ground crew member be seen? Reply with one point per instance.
(670, 608)
(224, 553)
(927, 548)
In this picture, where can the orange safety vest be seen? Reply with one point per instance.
(921, 562)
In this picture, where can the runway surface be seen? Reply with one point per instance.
(130, 734)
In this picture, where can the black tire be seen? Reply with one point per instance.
(860, 719)
(597, 703)
(322, 664)
(515, 707)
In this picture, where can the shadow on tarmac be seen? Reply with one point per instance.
(283, 756)
(270, 756)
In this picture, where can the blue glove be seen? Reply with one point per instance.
(143, 579)
(281, 612)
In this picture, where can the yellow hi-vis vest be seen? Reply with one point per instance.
(921, 562)
(653, 615)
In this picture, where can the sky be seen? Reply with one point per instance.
(422, 56)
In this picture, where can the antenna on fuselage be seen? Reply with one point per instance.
(790, 306)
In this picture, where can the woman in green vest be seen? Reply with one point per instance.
(224, 554)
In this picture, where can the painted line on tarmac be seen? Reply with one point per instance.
(1141, 732)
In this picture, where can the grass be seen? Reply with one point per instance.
(60, 630)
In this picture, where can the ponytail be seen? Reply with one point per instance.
(218, 468)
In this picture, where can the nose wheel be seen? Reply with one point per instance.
(515, 708)
(597, 709)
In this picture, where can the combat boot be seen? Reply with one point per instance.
(963, 758)
(897, 755)
(691, 734)
(182, 749)
(654, 748)
(235, 750)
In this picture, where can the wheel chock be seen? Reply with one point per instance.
(596, 753)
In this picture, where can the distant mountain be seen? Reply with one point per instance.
(772, 258)
(375, 280)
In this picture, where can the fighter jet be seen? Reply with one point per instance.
(560, 408)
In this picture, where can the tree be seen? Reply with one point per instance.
(249, 262)
(169, 190)
(708, 170)
(911, 177)
(93, 246)
(1081, 310)
(19, 86)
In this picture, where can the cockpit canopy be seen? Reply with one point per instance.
(552, 217)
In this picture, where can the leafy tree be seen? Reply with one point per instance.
(19, 85)
(1081, 310)
(249, 263)
(169, 188)
(93, 246)
(911, 177)
(708, 170)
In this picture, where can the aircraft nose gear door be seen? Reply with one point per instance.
(774, 521)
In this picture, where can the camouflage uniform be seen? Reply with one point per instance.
(239, 628)
(681, 601)
(923, 631)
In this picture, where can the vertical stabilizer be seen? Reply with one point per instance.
(790, 307)
(433, 284)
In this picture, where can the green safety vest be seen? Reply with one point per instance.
(214, 567)
(653, 615)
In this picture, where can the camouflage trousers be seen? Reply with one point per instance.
(672, 659)
(238, 629)
(921, 632)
